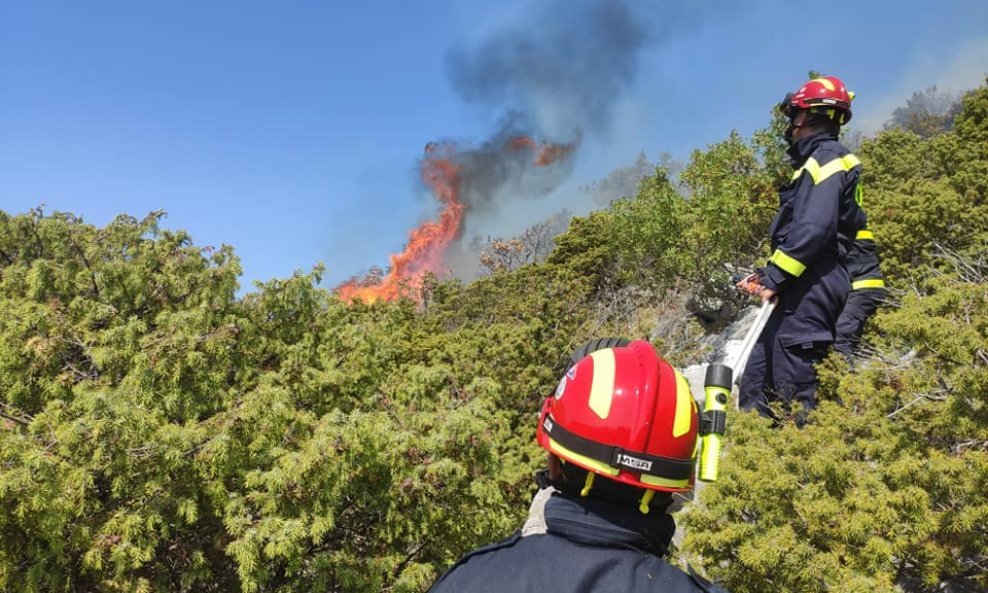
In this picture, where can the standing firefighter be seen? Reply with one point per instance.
(818, 217)
(867, 292)
(621, 433)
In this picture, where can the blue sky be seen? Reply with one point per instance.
(291, 130)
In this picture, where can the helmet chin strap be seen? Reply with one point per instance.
(791, 129)
(812, 119)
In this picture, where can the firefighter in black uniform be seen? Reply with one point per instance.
(867, 292)
(621, 432)
(818, 217)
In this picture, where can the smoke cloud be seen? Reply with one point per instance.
(565, 64)
(508, 166)
(557, 73)
(966, 69)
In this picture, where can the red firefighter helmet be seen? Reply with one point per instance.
(627, 415)
(826, 94)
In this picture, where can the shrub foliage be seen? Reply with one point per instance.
(158, 432)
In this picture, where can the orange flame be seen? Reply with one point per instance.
(428, 242)
(546, 153)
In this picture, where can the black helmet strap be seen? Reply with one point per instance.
(653, 465)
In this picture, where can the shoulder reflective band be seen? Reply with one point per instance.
(865, 235)
(787, 263)
(869, 283)
(819, 174)
(663, 467)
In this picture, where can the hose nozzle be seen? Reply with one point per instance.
(713, 421)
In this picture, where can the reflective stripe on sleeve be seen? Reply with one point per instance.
(787, 263)
(869, 283)
(863, 234)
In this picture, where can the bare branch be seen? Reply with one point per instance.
(14, 415)
(939, 395)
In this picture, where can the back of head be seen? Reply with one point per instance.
(624, 423)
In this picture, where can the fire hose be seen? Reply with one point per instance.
(717, 391)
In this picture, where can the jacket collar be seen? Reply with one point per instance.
(801, 150)
(602, 523)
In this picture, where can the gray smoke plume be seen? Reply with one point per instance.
(556, 74)
(567, 63)
(507, 165)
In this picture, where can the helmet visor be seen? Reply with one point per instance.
(785, 106)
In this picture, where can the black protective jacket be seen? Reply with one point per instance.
(818, 216)
(590, 546)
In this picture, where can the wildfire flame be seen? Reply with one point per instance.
(428, 242)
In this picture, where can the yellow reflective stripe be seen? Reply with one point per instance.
(583, 460)
(834, 166)
(787, 263)
(819, 174)
(826, 83)
(812, 167)
(656, 481)
(602, 389)
(870, 283)
(865, 235)
(684, 402)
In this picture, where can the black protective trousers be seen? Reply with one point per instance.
(797, 336)
(860, 305)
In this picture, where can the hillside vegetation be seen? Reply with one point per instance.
(159, 433)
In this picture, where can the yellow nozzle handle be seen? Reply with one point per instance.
(717, 392)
